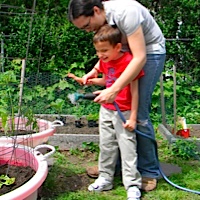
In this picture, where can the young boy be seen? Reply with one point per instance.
(114, 134)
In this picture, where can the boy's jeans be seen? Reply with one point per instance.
(147, 161)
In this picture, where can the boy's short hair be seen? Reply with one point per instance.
(108, 33)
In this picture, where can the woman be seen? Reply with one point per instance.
(144, 39)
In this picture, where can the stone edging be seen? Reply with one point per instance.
(68, 141)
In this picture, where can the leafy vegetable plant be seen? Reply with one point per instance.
(5, 180)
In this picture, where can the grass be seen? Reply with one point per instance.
(62, 168)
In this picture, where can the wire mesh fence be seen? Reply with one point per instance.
(179, 93)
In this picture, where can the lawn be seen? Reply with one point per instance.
(67, 179)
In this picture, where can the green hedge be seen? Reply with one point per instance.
(56, 47)
(55, 44)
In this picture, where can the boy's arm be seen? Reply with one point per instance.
(92, 81)
(76, 78)
(92, 74)
(132, 121)
(97, 81)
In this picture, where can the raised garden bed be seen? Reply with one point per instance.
(167, 132)
(70, 136)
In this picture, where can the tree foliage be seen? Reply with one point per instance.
(54, 43)
(57, 47)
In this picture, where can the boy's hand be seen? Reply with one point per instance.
(96, 81)
(90, 82)
(76, 78)
(86, 78)
(130, 125)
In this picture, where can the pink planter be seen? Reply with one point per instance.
(46, 129)
(21, 155)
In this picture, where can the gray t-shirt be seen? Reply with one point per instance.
(128, 15)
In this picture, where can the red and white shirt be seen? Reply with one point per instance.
(112, 71)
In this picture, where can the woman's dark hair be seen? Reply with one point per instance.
(76, 8)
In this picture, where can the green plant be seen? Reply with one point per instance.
(60, 158)
(185, 149)
(6, 180)
(31, 120)
(75, 151)
(79, 111)
(90, 146)
(187, 96)
(92, 116)
(56, 38)
(3, 116)
(9, 104)
(58, 105)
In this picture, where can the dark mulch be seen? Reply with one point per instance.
(65, 179)
(21, 175)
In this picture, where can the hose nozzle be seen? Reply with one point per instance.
(76, 96)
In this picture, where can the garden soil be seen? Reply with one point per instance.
(67, 181)
(21, 175)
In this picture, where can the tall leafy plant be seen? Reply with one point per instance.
(9, 105)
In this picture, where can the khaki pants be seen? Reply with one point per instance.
(114, 137)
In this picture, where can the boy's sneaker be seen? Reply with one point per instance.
(101, 184)
(133, 193)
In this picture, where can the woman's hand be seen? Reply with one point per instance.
(105, 96)
(130, 125)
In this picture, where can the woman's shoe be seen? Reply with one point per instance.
(148, 184)
(93, 171)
